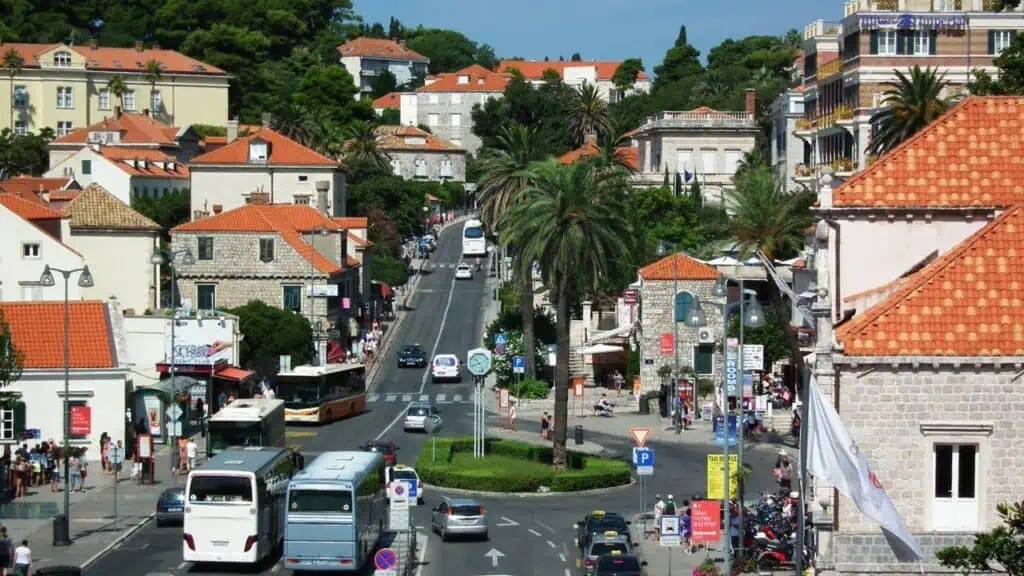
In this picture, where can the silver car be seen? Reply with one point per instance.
(459, 517)
(417, 414)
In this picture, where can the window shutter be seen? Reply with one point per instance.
(933, 39)
(991, 41)
(901, 42)
(874, 42)
(19, 419)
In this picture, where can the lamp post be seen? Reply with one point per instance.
(171, 258)
(312, 279)
(84, 281)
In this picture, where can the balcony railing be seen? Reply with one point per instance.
(856, 6)
(837, 166)
(803, 124)
(699, 120)
(832, 68)
(820, 28)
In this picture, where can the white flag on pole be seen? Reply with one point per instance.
(833, 455)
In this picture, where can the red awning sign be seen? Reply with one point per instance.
(81, 420)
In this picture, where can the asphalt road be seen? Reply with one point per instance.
(528, 536)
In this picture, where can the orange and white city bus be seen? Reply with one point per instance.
(321, 394)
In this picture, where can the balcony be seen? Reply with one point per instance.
(668, 120)
(843, 168)
(831, 69)
(821, 28)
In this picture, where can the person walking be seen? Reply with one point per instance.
(74, 472)
(191, 451)
(545, 426)
(512, 416)
(785, 473)
(620, 381)
(22, 559)
(659, 511)
(5, 551)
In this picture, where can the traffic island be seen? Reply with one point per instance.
(512, 467)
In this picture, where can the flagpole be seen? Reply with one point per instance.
(801, 525)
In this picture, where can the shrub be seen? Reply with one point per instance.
(528, 389)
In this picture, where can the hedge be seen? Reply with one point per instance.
(583, 472)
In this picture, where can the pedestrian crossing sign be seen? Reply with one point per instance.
(500, 339)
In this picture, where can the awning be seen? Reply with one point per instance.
(236, 374)
(177, 384)
(600, 349)
(621, 331)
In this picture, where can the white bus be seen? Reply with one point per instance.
(234, 506)
(473, 241)
(321, 394)
(249, 423)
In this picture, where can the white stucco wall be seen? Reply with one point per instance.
(409, 109)
(119, 262)
(103, 172)
(229, 186)
(147, 338)
(15, 269)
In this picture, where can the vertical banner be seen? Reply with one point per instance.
(668, 344)
(732, 371)
(705, 521)
(716, 476)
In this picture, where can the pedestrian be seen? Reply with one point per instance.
(659, 511)
(545, 426)
(687, 526)
(175, 461)
(83, 464)
(785, 474)
(620, 381)
(191, 450)
(117, 465)
(74, 472)
(222, 399)
(5, 551)
(22, 559)
(512, 416)
(670, 506)
(105, 452)
(54, 464)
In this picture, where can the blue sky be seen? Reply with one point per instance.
(601, 29)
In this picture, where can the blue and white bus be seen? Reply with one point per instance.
(474, 244)
(336, 512)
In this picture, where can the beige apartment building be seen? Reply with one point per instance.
(64, 87)
(849, 62)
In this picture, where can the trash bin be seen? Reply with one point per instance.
(645, 404)
(61, 531)
(578, 434)
(59, 571)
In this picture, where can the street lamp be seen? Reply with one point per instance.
(84, 281)
(172, 258)
(312, 279)
(426, 217)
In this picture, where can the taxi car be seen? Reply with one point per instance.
(411, 356)
(407, 474)
(598, 522)
(445, 367)
(616, 564)
(602, 544)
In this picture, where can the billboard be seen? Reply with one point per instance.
(200, 343)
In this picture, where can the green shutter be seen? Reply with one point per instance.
(19, 419)
(703, 358)
(874, 42)
(933, 40)
(902, 45)
(991, 41)
(683, 301)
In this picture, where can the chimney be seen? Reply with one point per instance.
(92, 43)
(259, 198)
(322, 188)
(218, 208)
(266, 120)
(590, 138)
(232, 130)
(138, 45)
(751, 102)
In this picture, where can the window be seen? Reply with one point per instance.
(732, 158)
(955, 479)
(145, 191)
(320, 501)
(446, 168)
(104, 99)
(303, 178)
(12, 421)
(30, 250)
(921, 43)
(456, 119)
(684, 162)
(86, 167)
(65, 97)
(205, 248)
(421, 168)
(266, 249)
(999, 40)
(19, 128)
(302, 199)
(154, 100)
(258, 151)
(463, 80)
(704, 358)
(683, 302)
(20, 96)
(206, 294)
(396, 167)
(224, 489)
(31, 292)
(293, 298)
(62, 59)
(433, 98)
(950, 5)
(883, 42)
(129, 100)
(456, 98)
(709, 161)
(63, 128)
(433, 119)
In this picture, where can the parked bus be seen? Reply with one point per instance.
(234, 506)
(336, 512)
(473, 241)
(249, 423)
(322, 393)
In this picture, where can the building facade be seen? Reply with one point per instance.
(575, 74)
(126, 172)
(64, 87)
(367, 58)
(34, 236)
(788, 151)
(419, 155)
(128, 130)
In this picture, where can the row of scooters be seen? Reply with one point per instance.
(770, 528)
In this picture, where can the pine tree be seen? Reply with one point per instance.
(667, 182)
(695, 193)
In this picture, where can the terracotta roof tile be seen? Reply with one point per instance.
(96, 208)
(118, 59)
(972, 156)
(28, 209)
(283, 152)
(629, 154)
(965, 303)
(534, 70)
(134, 129)
(37, 329)
(157, 163)
(351, 222)
(687, 267)
(379, 48)
(411, 138)
(477, 79)
(28, 187)
(392, 100)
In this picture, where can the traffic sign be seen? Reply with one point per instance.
(519, 364)
(116, 455)
(670, 537)
(499, 349)
(386, 559)
(500, 339)
(174, 412)
(643, 459)
(478, 360)
(639, 436)
(503, 398)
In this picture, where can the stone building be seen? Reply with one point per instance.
(367, 58)
(418, 154)
(696, 347)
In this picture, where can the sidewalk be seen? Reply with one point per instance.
(93, 528)
(658, 559)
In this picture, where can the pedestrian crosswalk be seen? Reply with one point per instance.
(444, 398)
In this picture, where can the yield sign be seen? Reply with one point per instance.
(639, 436)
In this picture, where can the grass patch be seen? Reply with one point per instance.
(512, 466)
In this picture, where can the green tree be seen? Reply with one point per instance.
(395, 28)
(588, 114)
(1000, 550)
(331, 91)
(576, 57)
(772, 336)
(390, 270)
(543, 107)
(168, 211)
(627, 73)
(402, 201)
(696, 194)
(752, 159)
(13, 63)
(12, 360)
(908, 105)
(362, 145)
(1011, 72)
(390, 117)
(297, 123)
(118, 87)
(572, 225)
(385, 83)
(269, 332)
(682, 62)
(448, 50)
(25, 154)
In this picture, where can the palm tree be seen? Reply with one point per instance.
(572, 223)
(588, 114)
(504, 175)
(752, 159)
(613, 152)
(297, 123)
(362, 146)
(153, 75)
(711, 87)
(767, 220)
(909, 104)
(13, 63)
(118, 87)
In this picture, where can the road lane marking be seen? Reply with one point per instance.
(390, 397)
(534, 532)
(182, 565)
(372, 397)
(421, 553)
(275, 569)
(440, 330)
(406, 397)
(401, 415)
(507, 522)
(424, 397)
(545, 526)
(562, 556)
(440, 398)
(457, 398)
(567, 573)
(552, 544)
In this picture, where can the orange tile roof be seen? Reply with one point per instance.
(122, 157)
(134, 129)
(28, 187)
(480, 80)
(283, 152)
(397, 138)
(392, 100)
(629, 154)
(289, 221)
(118, 59)
(971, 156)
(360, 242)
(687, 267)
(351, 222)
(28, 209)
(534, 70)
(379, 48)
(965, 303)
(37, 329)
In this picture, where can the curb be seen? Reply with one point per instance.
(531, 495)
(126, 534)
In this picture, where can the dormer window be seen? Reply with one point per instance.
(62, 59)
(259, 151)
(480, 81)
(463, 79)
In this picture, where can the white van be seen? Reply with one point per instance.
(445, 367)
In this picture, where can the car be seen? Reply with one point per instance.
(385, 448)
(411, 356)
(445, 367)
(402, 473)
(598, 522)
(463, 272)
(170, 507)
(459, 517)
(416, 415)
(601, 544)
(616, 564)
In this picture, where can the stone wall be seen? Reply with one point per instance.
(656, 315)
(407, 164)
(869, 554)
(232, 292)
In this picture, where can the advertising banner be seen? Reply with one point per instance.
(705, 521)
(716, 476)
(200, 344)
(81, 420)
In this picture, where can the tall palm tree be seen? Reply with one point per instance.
(752, 159)
(908, 105)
(767, 220)
(118, 87)
(504, 175)
(588, 114)
(572, 222)
(614, 151)
(297, 123)
(153, 75)
(362, 146)
(711, 87)
(12, 63)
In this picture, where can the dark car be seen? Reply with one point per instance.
(619, 565)
(170, 508)
(384, 448)
(599, 522)
(411, 356)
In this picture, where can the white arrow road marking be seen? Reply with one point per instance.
(424, 397)
(534, 532)
(507, 522)
(494, 554)
(458, 398)
(440, 399)
(561, 556)
(552, 544)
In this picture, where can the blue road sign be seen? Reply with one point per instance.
(643, 457)
(500, 339)
(519, 364)
(386, 559)
(720, 432)
(414, 489)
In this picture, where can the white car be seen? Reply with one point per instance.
(402, 473)
(463, 272)
(445, 367)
